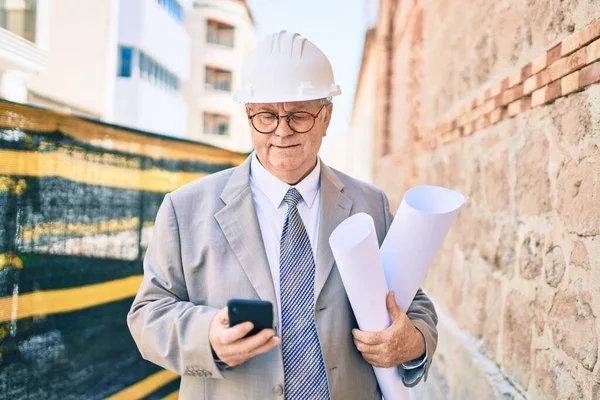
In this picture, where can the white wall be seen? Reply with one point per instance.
(201, 100)
(81, 66)
(142, 105)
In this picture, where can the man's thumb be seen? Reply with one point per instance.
(392, 306)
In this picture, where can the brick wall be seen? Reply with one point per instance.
(501, 101)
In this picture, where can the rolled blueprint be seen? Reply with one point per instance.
(356, 251)
(419, 227)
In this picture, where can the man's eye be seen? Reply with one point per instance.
(300, 117)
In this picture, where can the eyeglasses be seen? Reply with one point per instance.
(298, 121)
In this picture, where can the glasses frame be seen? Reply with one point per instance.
(287, 117)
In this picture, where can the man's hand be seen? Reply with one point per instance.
(399, 343)
(230, 345)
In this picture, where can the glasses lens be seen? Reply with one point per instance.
(301, 122)
(265, 122)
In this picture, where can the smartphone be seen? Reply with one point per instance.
(259, 312)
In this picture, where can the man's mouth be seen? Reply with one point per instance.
(286, 146)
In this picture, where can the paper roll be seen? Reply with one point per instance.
(419, 227)
(356, 251)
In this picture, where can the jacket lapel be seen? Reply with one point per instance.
(239, 224)
(335, 207)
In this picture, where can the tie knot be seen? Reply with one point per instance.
(292, 197)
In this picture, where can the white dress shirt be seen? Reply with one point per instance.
(268, 192)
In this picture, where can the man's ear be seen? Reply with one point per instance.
(326, 116)
(248, 113)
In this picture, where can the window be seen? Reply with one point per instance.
(173, 8)
(125, 61)
(218, 79)
(216, 124)
(219, 33)
(150, 70)
(19, 17)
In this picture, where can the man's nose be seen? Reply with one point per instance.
(284, 129)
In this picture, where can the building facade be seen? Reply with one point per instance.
(222, 35)
(120, 61)
(153, 64)
(24, 28)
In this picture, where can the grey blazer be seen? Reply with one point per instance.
(207, 248)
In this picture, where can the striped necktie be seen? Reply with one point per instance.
(303, 365)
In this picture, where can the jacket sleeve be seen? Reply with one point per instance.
(168, 329)
(423, 316)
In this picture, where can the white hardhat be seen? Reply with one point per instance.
(286, 67)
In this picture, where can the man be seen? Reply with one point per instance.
(260, 231)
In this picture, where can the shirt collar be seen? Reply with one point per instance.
(275, 189)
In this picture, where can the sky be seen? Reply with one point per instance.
(337, 27)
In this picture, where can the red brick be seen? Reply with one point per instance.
(537, 81)
(471, 115)
(495, 115)
(462, 119)
(589, 75)
(526, 71)
(591, 32)
(593, 52)
(481, 99)
(553, 54)
(488, 106)
(496, 89)
(538, 97)
(525, 103)
(512, 94)
(476, 113)
(514, 108)
(453, 135)
(543, 78)
(558, 69)
(553, 92)
(569, 83)
(539, 63)
(498, 101)
(530, 84)
(572, 43)
(439, 129)
(515, 78)
(577, 60)
(517, 92)
(480, 123)
(507, 97)
(486, 121)
(469, 129)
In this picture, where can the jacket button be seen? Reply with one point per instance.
(278, 389)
